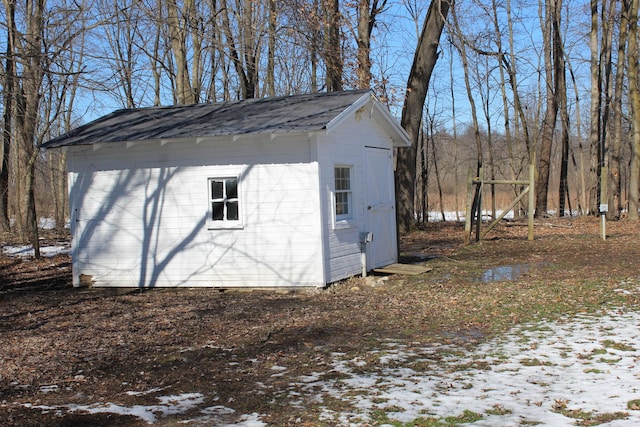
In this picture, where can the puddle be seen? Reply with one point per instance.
(506, 272)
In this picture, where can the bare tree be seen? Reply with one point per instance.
(27, 105)
(179, 20)
(368, 11)
(614, 188)
(424, 61)
(563, 189)
(634, 94)
(121, 34)
(460, 44)
(333, 50)
(244, 47)
(270, 79)
(552, 60)
(596, 91)
(7, 116)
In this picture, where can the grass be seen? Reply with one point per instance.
(617, 346)
(535, 362)
(585, 418)
(498, 410)
(466, 417)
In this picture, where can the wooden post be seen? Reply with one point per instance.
(532, 201)
(479, 204)
(474, 210)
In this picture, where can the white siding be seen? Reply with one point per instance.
(345, 145)
(139, 214)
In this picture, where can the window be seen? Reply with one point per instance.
(224, 203)
(343, 194)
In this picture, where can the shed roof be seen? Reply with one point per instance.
(297, 113)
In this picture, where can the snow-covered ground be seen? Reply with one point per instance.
(543, 374)
(26, 251)
(547, 373)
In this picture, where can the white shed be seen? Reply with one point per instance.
(260, 193)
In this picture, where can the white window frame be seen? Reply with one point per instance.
(347, 220)
(224, 223)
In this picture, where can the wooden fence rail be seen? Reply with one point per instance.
(475, 188)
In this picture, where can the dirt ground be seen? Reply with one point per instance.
(61, 346)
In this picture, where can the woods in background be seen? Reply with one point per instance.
(497, 85)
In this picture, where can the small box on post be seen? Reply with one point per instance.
(603, 208)
(365, 237)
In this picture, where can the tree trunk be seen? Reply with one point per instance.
(270, 78)
(614, 188)
(551, 43)
(634, 94)
(424, 60)
(563, 190)
(434, 155)
(364, 44)
(194, 20)
(27, 109)
(249, 46)
(243, 51)
(606, 87)
(423, 180)
(594, 112)
(7, 131)
(154, 59)
(183, 90)
(476, 210)
(367, 14)
(333, 49)
(561, 95)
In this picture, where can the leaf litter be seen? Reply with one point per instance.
(557, 345)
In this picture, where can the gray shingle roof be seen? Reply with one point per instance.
(298, 113)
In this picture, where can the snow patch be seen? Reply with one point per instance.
(27, 251)
(588, 364)
(168, 405)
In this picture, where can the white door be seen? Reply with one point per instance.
(381, 215)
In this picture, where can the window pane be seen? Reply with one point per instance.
(232, 211)
(343, 179)
(342, 203)
(232, 188)
(217, 211)
(217, 190)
